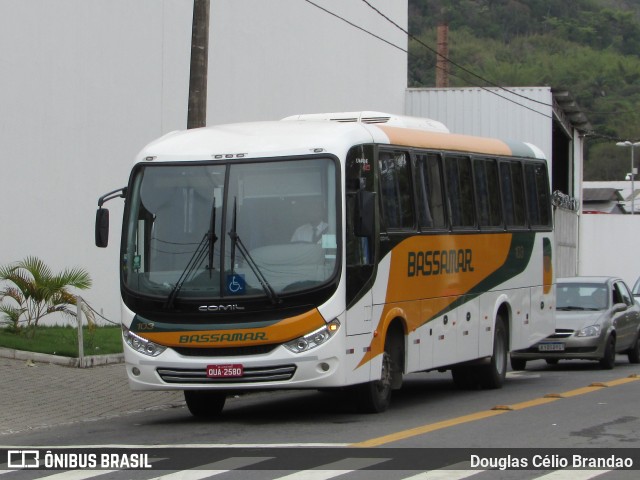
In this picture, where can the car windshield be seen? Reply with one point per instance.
(220, 230)
(582, 296)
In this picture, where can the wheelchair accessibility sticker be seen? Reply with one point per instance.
(236, 284)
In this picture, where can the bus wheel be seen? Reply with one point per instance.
(375, 397)
(205, 403)
(493, 374)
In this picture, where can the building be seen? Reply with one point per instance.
(85, 85)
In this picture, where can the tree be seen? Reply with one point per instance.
(31, 291)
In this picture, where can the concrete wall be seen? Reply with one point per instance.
(84, 84)
(609, 246)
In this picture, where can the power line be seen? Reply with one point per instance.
(448, 60)
(432, 50)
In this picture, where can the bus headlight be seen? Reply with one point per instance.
(141, 345)
(313, 339)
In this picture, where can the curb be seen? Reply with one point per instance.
(88, 361)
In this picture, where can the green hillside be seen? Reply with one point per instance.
(589, 47)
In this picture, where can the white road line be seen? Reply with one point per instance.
(77, 474)
(212, 469)
(445, 474)
(573, 474)
(331, 470)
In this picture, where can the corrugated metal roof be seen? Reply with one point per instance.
(600, 195)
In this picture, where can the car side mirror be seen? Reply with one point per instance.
(620, 307)
(102, 227)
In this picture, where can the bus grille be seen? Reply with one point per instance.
(225, 352)
(251, 374)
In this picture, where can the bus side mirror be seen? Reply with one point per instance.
(365, 217)
(102, 227)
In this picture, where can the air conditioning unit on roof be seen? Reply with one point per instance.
(375, 118)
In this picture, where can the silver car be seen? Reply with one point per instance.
(596, 317)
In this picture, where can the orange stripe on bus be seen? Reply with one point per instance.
(445, 141)
(283, 331)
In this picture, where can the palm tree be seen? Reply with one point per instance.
(35, 292)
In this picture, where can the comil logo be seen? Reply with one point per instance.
(23, 459)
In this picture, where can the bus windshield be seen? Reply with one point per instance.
(212, 230)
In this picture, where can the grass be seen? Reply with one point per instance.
(63, 341)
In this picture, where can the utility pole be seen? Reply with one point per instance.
(197, 114)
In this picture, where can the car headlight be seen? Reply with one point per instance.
(590, 331)
(141, 345)
(313, 339)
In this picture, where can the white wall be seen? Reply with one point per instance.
(271, 59)
(609, 246)
(84, 84)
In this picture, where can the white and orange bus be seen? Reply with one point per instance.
(330, 251)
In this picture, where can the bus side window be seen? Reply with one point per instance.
(537, 194)
(431, 214)
(395, 189)
(512, 194)
(487, 192)
(460, 191)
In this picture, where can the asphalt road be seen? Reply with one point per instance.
(569, 406)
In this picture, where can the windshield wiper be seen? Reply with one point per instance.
(237, 242)
(204, 248)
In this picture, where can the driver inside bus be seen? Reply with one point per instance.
(312, 231)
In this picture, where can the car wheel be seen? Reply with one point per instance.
(634, 352)
(205, 403)
(518, 364)
(608, 361)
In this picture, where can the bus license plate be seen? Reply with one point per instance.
(225, 371)
(551, 347)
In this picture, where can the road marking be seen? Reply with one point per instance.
(77, 474)
(462, 470)
(573, 474)
(331, 470)
(432, 427)
(212, 469)
(497, 410)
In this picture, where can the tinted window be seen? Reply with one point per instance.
(487, 193)
(512, 194)
(429, 192)
(395, 189)
(460, 191)
(537, 194)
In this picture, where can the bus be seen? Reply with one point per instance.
(330, 251)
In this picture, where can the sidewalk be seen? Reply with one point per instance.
(36, 395)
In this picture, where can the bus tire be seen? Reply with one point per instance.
(375, 396)
(205, 403)
(492, 375)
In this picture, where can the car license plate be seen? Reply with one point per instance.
(551, 347)
(225, 371)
